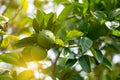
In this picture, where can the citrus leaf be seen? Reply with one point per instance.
(112, 24)
(97, 54)
(60, 42)
(71, 62)
(85, 5)
(36, 26)
(99, 15)
(62, 17)
(5, 77)
(25, 41)
(67, 53)
(116, 33)
(12, 58)
(40, 17)
(64, 14)
(107, 63)
(114, 13)
(73, 34)
(85, 43)
(6, 42)
(25, 75)
(85, 63)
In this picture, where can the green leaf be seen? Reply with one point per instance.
(3, 20)
(74, 34)
(60, 42)
(64, 14)
(6, 42)
(67, 53)
(62, 34)
(85, 63)
(71, 62)
(85, 43)
(36, 26)
(40, 17)
(114, 13)
(84, 26)
(25, 75)
(5, 77)
(85, 5)
(99, 15)
(97, 54)
(112, 24)
(49, 20)
(25, 42)
(12, 58)
(107, 63)
(62, 17)
(116, 33)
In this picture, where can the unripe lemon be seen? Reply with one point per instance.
(38, 53)
(26, 53)
(46, 39)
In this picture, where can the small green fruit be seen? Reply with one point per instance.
(26, 54)
(38, 53)
(46, 39)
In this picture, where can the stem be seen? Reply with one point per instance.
(55, 63)
(7, 7)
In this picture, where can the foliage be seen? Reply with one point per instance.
(84, 38)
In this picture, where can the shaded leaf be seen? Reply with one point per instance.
(67, 53)
(36, 26)
(114, 13)
(99, 15)
(49, 20)
(107, 63)
(71, 62)
(25, 41)
(97, 54)
(85, 63)
(40, 18)
(85, 43)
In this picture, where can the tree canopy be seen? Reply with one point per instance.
(60, 39)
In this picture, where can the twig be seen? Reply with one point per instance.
(55, 63)
(7, 8)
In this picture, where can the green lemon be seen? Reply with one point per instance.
(26, 54)
(46, 39)
(38, 53)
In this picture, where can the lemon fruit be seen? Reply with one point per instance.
(26, 54)
(46, 39)
(38, 53)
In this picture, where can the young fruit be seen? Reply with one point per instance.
(46, 39)
(26, 54)
(38, 53)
